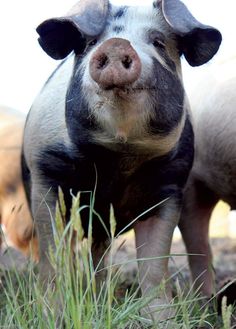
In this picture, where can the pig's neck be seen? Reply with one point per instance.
(131, 131)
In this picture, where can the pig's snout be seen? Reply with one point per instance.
(115, 64)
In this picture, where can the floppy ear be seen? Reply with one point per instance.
(59, 36)
(198, 42)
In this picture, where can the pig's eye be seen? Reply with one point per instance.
(157, 38)
(158, 44)
(92, 42)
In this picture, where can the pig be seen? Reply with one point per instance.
(213, 176)
(113, 118)
(15, 217)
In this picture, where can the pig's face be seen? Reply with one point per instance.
(130, 70)
(123, 56)
(127, 70)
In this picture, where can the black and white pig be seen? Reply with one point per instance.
(114, 114)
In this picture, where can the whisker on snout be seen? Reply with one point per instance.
(101, 92)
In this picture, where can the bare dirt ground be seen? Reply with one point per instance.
(224, 257)
(224, 253)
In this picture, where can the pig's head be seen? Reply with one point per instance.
(127, 62)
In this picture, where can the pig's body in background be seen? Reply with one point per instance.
(213, 176)
(114, 119)
(15, 218)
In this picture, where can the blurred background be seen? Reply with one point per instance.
(24, 67)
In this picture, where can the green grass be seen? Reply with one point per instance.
(75, 300)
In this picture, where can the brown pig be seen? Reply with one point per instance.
(15, 218)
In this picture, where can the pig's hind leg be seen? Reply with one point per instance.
(199, 201)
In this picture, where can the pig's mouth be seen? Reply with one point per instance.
(125, 90)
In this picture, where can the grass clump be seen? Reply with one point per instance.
(76, 300)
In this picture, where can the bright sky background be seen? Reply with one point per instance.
(24, 66)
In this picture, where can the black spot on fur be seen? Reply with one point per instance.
(204, 195)
(158, 179)
(118, 29)
(121, 12)
(156, 4)
(26, 178)
(67, 168)
(169, 96)
(78, 114)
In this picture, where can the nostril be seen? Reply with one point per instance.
(102, 61)
(127, 62)
(115, 64)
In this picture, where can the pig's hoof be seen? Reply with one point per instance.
(160, 313)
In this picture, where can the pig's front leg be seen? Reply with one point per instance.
(43, 201)
(153, 241)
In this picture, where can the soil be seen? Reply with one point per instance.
(223, 249)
